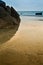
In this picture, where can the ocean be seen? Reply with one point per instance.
(29, 13)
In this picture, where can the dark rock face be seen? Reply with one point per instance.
(8, 16)
(2, 4)
(15, 14)
(8, 9)
(39, 13)
(3, 13)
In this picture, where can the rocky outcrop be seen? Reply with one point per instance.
(8, 9)
(2, 3)
(15, 14)
(3, 12)
(8, 16)
(39, 13)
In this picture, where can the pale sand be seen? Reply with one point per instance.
(26, 46)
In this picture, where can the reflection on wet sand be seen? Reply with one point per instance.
(6, 34)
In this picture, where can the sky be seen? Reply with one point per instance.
(26, 5)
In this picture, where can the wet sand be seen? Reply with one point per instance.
(26, 46)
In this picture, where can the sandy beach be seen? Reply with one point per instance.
(26, 46)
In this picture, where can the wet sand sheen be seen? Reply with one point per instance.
(26, 47)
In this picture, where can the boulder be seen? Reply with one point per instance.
(8, 9)
(3, 13)
(8, 16)
(2, 3)
(15, 14)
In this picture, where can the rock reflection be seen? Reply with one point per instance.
(6, 34)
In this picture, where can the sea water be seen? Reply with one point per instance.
(29, 13)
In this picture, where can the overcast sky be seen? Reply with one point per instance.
(29, 5)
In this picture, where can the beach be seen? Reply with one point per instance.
(25, 47)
